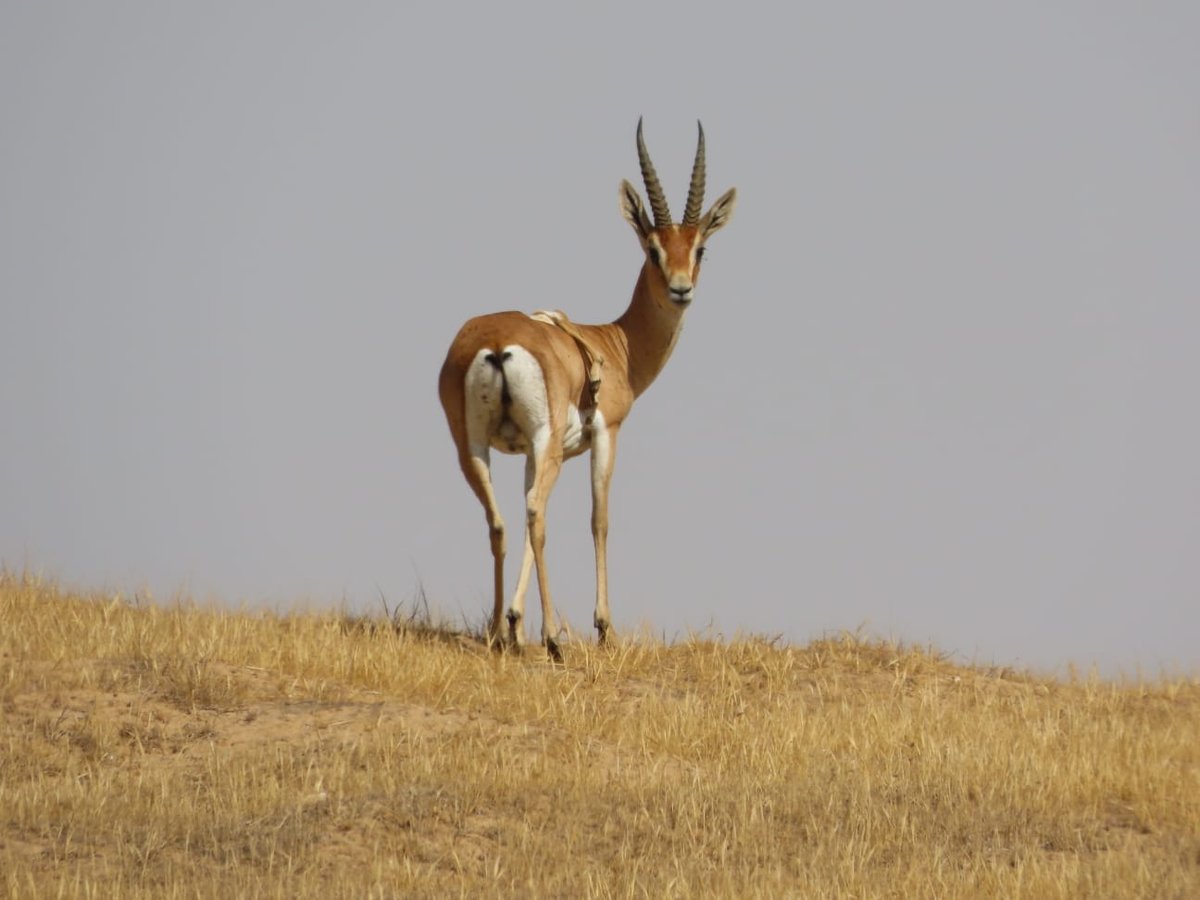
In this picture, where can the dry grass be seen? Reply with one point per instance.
(189, 752)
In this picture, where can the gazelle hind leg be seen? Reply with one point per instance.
(540, 417)
(474, 411)
(548, 460)
(476, 469)
(516, 611)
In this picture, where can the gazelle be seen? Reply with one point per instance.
(545, 387)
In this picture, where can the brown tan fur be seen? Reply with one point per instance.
(634, 350)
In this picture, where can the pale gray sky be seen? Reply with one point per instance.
(939, 378)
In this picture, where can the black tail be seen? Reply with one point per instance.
(498, 360)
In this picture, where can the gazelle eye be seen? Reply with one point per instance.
(700, 253)
(654, 256)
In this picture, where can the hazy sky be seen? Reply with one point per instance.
(940, 378)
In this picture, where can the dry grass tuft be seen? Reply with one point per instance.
(161, 752)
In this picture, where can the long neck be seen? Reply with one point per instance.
(651, 326)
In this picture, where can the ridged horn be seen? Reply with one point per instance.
(654, 191)
(695, 200)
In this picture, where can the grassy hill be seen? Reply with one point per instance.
(163, 752)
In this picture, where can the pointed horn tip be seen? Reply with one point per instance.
(695, 199)
(654, 191)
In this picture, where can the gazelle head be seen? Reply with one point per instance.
(673, 251)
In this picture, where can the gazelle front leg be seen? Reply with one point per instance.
(604, 451)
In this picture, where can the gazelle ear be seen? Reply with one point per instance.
(720, 213)
(633, 211)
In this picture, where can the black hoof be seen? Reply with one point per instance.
(514, 629)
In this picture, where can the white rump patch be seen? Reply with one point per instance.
(521, 424)
(506, 412)
(483, 389)
(528, 412)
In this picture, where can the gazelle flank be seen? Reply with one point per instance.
(550, 389)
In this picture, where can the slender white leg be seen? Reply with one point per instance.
(516, 612)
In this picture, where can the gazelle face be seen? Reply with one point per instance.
(674, 253)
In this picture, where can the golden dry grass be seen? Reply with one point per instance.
(185, 752)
